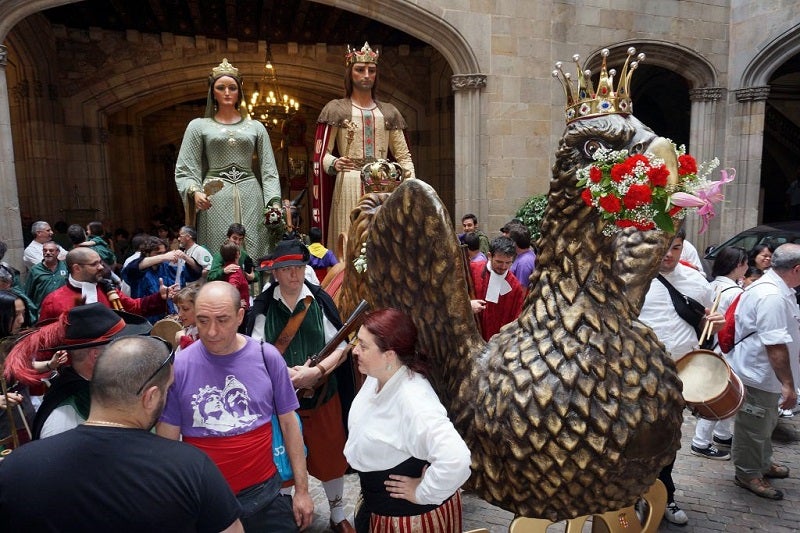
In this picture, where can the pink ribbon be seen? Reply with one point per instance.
(705, 197)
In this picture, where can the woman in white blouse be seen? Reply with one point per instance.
(729, 269)
(409, 457)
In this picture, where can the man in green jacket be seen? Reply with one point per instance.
(216, 272)
(47, 276)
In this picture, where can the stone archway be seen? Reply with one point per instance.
(751, 103)
(90, 110)
(778, 158)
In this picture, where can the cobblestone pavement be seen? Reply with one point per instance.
(705, 490)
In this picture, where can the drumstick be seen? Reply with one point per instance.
(707, 327)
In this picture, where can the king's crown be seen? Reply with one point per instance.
(365, 55)
(381, 176)
(583, 101)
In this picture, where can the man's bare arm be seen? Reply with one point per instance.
(779, 359)
(293, 440)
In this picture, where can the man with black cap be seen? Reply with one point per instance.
(299, 318)
(88, 329)
(112, 473)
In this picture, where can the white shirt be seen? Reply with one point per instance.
(260, 320)
(728, 291)
(769, 307)
(61, 419)
(200, 255)
(405, 419)
(659, 313)
(33, 254)
(690, 255)
(311, 276)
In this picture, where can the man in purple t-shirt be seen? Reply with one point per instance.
(226, 388)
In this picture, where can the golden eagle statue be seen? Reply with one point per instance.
(573, 408)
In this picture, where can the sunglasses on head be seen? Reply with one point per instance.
(168, 361)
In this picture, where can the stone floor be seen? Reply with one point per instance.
(705, 490)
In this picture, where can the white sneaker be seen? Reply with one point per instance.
(675, 514)
(785, 413)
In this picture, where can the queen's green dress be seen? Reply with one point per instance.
(211, 149)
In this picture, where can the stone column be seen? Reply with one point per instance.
(10, 224)
(703, 144)
(470, 182)
(745, 145)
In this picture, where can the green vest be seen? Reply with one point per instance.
(308, 341)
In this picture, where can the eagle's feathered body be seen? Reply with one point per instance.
(573, 408)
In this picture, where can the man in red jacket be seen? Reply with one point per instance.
(85, 271)
(498, 293)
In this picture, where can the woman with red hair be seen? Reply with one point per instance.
(409, 457)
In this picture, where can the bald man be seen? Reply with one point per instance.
(765, 358)
(227, 387)
(85, 272)
(174, 487)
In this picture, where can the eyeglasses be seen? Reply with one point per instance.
(95, 264)
(168, 361)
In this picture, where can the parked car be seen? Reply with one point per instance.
(774, 234)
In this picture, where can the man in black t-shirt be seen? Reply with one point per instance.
(111, 473)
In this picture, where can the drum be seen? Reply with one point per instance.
(166, 328)
(710, 388)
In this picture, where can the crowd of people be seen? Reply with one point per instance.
(765, 356)
(224, 394)
(228, 381)
(239, 360)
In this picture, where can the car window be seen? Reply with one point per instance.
(745, 241)
(783, 239)
(748, 239)
(774, 242)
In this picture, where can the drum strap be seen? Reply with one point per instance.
(689, 309)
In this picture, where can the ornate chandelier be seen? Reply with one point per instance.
(268, 103)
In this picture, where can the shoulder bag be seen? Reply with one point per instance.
(689, 309)
(279, 455)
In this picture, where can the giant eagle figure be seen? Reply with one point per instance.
(575, 407)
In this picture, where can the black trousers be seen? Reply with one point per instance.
(264, 508)
(666, 478)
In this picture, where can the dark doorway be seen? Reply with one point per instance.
(781, 150)
(661, 101)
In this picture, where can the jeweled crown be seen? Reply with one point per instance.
(584, 101)
(224, 69)
(365, 55)
(381, 176)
